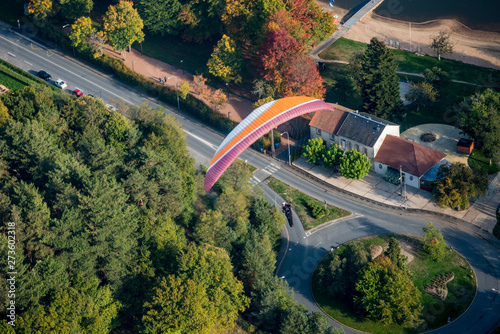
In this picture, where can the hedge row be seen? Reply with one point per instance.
(191, 105)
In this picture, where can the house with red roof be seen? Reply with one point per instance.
(390, 155)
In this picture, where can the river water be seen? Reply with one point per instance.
(476, 14)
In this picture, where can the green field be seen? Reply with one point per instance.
(10, 82)
(301, 204)
(461, 290)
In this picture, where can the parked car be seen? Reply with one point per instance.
(44, 75)
(78, 92)
(60, 83)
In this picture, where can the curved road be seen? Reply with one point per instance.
(304, 250)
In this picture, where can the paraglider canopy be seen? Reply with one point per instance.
(254, 126)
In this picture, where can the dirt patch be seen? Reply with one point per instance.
(375, 251)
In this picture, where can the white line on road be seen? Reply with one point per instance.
(265, 171)
(30, 64)
(11, 54)
(81, 78)
(201, 139)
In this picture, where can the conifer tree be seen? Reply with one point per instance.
(374, 72)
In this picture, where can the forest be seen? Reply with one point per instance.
(114, 232)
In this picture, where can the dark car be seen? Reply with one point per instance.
(44, 75)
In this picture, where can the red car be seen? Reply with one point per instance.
(78, 92)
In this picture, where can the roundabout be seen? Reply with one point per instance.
(435, 291)
(301, 253)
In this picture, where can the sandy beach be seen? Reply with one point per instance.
(476, 47)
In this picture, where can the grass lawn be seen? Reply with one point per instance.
(301, 204)
(344, 49)
(442, 111)
(10, 82)
(172, 50)
(11, 11)
(477, 158)
(461, 290)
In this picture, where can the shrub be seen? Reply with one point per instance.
(318, 211)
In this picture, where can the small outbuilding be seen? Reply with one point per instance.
(465, 146)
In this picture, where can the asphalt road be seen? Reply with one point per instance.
(301, 251)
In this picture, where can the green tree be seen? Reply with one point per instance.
(257, 260)
(184, 89)
(226, 60)
(40, 10)
(81, 31)
(73, 9)
(374, 72)
(393, 252)
(212, 228)
(233, 205)
(354, 165)
(160, 16)
(178, 306)
(4, 114)
(333, 156)
(123, 25)
(458, 184)
(201, 19)
(313, 150)
(422, 93)
(82, 308)
(480, 118)
(388, 294)
(211, 268)
(434, 243)
(436, 77)
(442, 44)
(339, 274)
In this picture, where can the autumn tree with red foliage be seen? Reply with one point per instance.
(285, 64)
(276, 48)
(302, 77)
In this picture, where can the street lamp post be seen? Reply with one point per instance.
(288, 144)
(133, 62)
(229, 115)
(176, 90)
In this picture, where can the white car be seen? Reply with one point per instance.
(60, 83)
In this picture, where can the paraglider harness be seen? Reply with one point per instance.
(287, 210)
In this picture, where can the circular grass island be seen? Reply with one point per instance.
(446, 288)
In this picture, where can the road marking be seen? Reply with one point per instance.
(201, 139)
(35, 48)
(50, 54)
(30, 64)
(265, 171)
(81, 78)
(319, 228)
(11, 54)
(317, 244)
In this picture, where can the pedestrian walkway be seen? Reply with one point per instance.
(482, 213)
(236, 108)
(370, 6)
